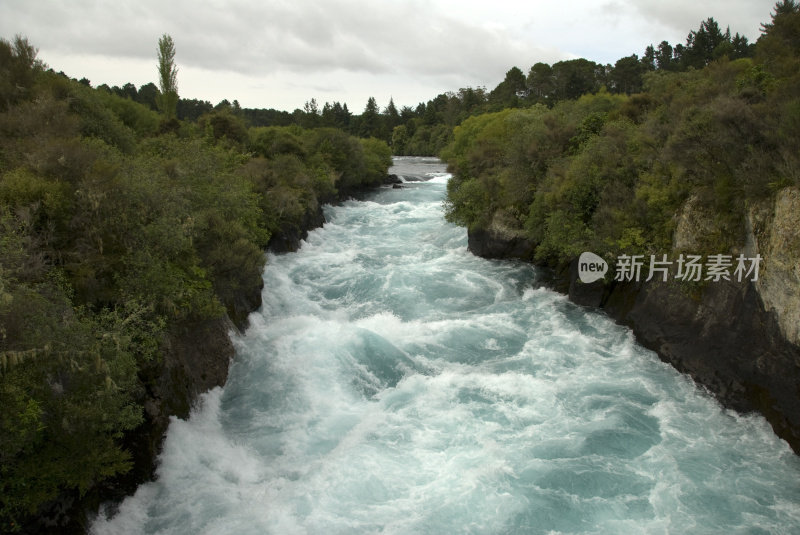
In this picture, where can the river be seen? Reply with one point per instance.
(394, 383)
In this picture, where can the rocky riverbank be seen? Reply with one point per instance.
(196, 360)
(740, 340)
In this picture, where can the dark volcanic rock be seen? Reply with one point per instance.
(245, 302)
(489, 243)
(288, 239)
(196, 359)
(591, 294)
(501, 238)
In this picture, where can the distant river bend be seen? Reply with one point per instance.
(394, 383)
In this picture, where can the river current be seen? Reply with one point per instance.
(394, 383)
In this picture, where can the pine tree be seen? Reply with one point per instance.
(370, 119)
(392, 115)
(664, 56)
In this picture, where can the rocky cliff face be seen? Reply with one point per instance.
(288, 239)
(724, 338)
(741, 340)
(774, 232)
(500, 240)
(196, 359)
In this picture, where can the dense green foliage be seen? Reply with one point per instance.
(114, 234)
(609, 172)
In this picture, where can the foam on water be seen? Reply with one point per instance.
(394, 383)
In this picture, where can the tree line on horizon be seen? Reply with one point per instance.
(426, 128)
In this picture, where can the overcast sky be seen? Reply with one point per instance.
(279, 54)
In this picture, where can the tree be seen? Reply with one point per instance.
(576, 77)
(311, 107)
(328, 119)
(471, 99)
(782, 9)
(370, 120)
(167, 77)
(741, 47)
(128, 90)
(18, 69)
(626, 76)
(664, 59)
(148, 95)
(312, 116)
(391, 115)
(430, 115)
(649, 58)
(701, 44)
(778, 48)
(677, 55)
(540, 82)
(193, 109)
(399, 139)
(509, 91)
(336, 115)
(343, 116)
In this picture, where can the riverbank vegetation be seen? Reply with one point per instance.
(118, 226)
(606, 168)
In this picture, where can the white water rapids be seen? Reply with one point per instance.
(394, 383)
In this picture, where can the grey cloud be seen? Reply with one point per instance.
(685, 15)
(255, 38)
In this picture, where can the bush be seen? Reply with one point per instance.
(377, 159)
